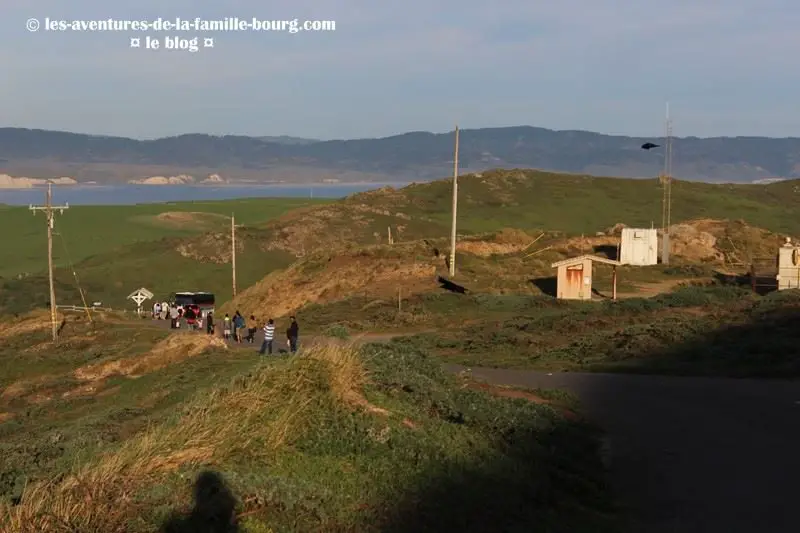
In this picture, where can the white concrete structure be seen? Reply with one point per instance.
(788, 266)
(639, 247)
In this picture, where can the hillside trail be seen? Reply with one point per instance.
(279, 343)
(650, 289)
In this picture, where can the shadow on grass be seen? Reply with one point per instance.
(543, 481)
(213, 511)
(762, 285)
(548, 285)
(606, 250)
(763, 346)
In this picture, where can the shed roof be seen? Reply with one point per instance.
(580, 258)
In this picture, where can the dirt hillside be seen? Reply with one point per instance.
(377, 271)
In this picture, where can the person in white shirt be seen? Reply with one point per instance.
(269, 336)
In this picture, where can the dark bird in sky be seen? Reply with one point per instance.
(647, 146)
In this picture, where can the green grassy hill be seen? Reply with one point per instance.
(529, 200)
(183, 246)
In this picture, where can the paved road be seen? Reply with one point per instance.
(692, 454)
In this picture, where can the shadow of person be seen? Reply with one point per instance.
(213, 511)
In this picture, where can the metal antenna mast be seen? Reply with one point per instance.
(49, 211)
(666, 182)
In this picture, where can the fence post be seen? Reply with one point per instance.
(753, 276)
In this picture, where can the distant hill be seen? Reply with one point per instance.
(412, 156)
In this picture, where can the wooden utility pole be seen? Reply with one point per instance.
(455, 210)
(233, 252)
(49, 210)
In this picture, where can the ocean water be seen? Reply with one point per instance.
(151, 194)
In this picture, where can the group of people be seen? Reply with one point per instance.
(239, 330)
(234, 328)
(191, 314)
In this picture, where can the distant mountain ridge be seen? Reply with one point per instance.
(410, 156)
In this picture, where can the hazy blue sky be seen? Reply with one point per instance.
(727, 67)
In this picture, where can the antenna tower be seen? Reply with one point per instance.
(666, 182)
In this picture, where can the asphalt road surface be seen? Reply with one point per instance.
(692, 454)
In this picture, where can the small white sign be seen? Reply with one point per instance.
(587, 280)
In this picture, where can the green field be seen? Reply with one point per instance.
(96, 230)
(115, 250)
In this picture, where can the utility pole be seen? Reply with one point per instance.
(233, 252)
(455, 210)
(49, 210)
(666, 181)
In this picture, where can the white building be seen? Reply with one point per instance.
(639, 247)
(788, 266)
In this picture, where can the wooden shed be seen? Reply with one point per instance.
(574, 278)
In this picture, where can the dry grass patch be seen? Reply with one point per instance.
(175, 348)
(35, 321)
(324, 280)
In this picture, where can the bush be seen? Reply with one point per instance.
(338, 331)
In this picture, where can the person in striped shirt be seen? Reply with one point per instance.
(269, 335)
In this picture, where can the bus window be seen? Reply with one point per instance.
(183, 299)
(204, 298)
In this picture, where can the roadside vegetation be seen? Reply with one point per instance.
(108, 436)
(718, 330)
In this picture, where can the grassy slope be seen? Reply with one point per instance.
(716, 330)
(335, 441)
(521, 199)
(582, 204)
(95, 230)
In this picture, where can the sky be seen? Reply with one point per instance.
(727, 68)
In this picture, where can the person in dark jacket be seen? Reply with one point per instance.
(210, 323)
(238, 326)
(292, 334)
(251, 329)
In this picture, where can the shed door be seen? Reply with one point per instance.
(574, 280)
(639, 248)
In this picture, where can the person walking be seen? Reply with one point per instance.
(174, 317)
(269, 335)
(292, 334)
(238, 326)
(226, 331)
(210, 323)
(252, 326)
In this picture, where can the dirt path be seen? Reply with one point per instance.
(691, 455)
(313, 338)
(648, 290)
